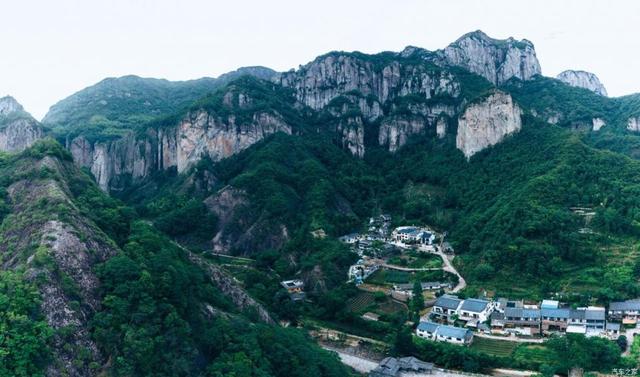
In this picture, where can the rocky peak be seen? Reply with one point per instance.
(582, 79)
(495, 59)
(488, 122)
(9, 105)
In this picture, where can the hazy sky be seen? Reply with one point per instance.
(51, 49)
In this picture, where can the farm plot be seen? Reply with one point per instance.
(360, 302)
(493, 347)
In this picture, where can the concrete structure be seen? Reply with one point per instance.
(475, 310)
(446, 306)
(444, 333)
(627, 312)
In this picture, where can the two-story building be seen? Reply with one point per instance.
(521, 320)
(628, 312)
(446, 306)
(475, 310)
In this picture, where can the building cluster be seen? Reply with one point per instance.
(413, 235)
(507, 316)
(395, 367)
(404, 292)
(360, 271)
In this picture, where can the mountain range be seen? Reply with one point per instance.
(111, 202)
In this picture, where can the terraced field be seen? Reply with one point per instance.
(493, 346)
(360, 302)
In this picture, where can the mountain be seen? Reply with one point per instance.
(87, 282)
(266, 169)
(582, 79)
(18, 129)
(111, 107)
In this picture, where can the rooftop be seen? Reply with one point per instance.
(448, 302)
(628, 305)
(474, 305)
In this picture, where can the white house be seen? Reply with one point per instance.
(413, 234)
(444, 333)
(446, 306)
(473, 309)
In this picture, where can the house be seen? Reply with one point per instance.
(497, 321)
(592, 319)
(555, 320)
(412, 234)
(475, 309)
(550, 304)
(444, 333)
(612, 330)
(522, 320)
(395, 367)
(446, 306)
(359, 272)
(295, 288)
(369, 316)
(350, 238)
(626, 311)
(426, 286)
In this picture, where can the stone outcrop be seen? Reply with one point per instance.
(18, 130)
(495, 60)
(633, 124)
(9, 105)
(597, 124)
(335, 74)
(582, 79)
(396, 131)
(115, 163)
(487, 123)
(60, 253)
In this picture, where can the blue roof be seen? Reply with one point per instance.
(429, 327)
(474, 305)
(448, 302)
(628, 305)
(453, 332)
(556, 313)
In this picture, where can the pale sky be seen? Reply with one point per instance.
(51, 49)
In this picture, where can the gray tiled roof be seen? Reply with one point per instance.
(474, 305)
(625, 305)
(556, 313)
(594, 315)
(448, 302)
(613, 326)
(453, 332)
(412, 364)
(429, 327)
(522, 313)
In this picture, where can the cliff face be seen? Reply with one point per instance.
(396, 131)
(495, 60)
(582, 79)
(633, 124)
(117, 162)
(18, 130)
(487, 123)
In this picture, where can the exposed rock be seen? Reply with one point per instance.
(495, 60)
(59, 252)
(633, 124)
(441, 128)
(598, 123)
(487, 123)
(582, 79)
(19, 134)
(336, 74)
(9, 105)
(239, 228)
(132, 157)
(18, 130)
(231, 288)
(396, 131)
(351, 133)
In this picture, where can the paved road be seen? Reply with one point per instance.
(448, 266)
(629, 333)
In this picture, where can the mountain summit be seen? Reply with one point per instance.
(583, 79)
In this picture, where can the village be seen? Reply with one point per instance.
(393, 260)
